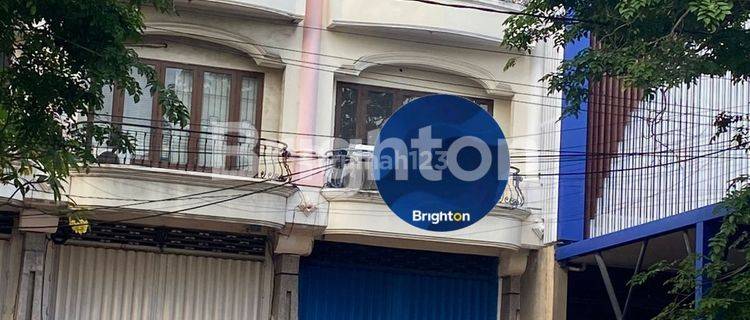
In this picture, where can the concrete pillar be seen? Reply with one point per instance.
(289, 246)
(308, 89)
(510, 298)
(285, 287)
(544, 287)
(512, 266)
(31, 299)
(32, 293)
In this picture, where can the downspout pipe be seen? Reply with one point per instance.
(308, 90)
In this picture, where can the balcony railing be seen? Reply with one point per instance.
(216, 149)
(352, 169)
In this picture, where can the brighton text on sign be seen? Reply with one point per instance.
(441, 163)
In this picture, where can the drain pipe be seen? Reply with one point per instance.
(574, 268)
(308, 91)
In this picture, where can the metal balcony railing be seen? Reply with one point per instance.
(215, 149)
(352, 169)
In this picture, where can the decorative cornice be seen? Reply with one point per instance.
(476, 73)
(215, 35)
(338, 23)
(282, 14)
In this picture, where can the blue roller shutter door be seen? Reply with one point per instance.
(346, 282)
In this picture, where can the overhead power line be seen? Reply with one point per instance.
(564, 19)
(410, 40)
(203, 205)
(562, 153)
(302, 63)
(196, 195)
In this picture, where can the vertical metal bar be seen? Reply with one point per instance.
(636, 269)
(608, 286)
(660, 149)
(686, 239)
(634, 160)
(651, 171)
(608, 126)
(689, 145)
(671, 169)
(607, 97)
(696, 136)
(716, 171)
(704, 231)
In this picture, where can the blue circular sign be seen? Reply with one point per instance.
(441, 163)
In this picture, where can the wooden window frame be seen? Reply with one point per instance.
(194, 126)
(399, 96)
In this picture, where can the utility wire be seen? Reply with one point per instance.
(563, 153)
(337, 67)
(190, 208)
(646, 119)
(403, 39)
(194, 195)
(564, 19)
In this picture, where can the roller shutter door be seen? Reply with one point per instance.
(344, 281)
(6, 260)
(106, 283)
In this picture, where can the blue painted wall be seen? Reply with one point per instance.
(344, 282)
(573, 137)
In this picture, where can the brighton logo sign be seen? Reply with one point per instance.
(441, 163)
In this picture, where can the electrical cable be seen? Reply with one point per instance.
(203, 205)
(192, 195)
(337, 67)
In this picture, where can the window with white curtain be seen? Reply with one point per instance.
(137, 117)
(248, 107)
(214, 120)
(175, 138)
(224, 107)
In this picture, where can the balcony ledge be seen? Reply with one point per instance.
(373, 197)
(193, 178)
(292, 12)
(416, 31)
(500, 230)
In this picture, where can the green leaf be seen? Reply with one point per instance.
(510, 63)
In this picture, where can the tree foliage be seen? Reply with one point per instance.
(654, 45)
(728, 296)
(58, 55)
(649, 44)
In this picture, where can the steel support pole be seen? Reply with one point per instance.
(636, 269)
(608, 285)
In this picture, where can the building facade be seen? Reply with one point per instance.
(263, 207)
(641, 186)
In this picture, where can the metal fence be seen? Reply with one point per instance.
(661, 160)
(352, 169)
(214, 150)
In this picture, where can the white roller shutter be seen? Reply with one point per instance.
(105, 283)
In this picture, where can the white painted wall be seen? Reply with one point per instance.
(417, 19)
